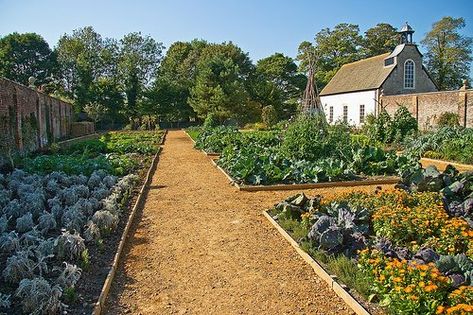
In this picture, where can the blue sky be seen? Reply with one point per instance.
(260, 28)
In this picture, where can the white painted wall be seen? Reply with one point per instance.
(353, 100)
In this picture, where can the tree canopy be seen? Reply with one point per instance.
(448, 53)
(26, 55)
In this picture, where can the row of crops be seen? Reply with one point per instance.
(57, 208)
(308, 151)
(410, 250)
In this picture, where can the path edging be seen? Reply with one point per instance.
(100, 304)
(320, 271)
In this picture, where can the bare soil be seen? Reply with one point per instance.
(200, 246)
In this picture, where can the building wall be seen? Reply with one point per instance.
(30, 120)
(353, 101)
(427, 107)
(394, 84)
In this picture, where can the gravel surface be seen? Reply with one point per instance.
(200, 246)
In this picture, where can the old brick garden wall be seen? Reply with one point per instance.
(427, 107)
(30, 120)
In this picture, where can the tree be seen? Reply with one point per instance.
(448, 53)
(175, 78)
(279, 84)
(138, 62)
(95, 111)
(26, 55)
(82, 57)
(379, 39)
(223, 72)
(333, 49)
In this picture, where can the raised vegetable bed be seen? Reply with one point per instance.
(410, 250)
(56, 225)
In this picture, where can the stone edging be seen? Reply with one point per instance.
(338, 288)
(100, 304)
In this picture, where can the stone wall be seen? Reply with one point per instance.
(394, 84)
(427, 107)
(30, 120)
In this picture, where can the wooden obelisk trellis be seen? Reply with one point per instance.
(311, 101)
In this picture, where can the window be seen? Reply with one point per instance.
(330, 114)
(362, 114)
(345, 114)
(389, 61)
(409, 74)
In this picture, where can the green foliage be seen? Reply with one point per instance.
(448, 119)
(26, 55)
(448, 53)
(453, 144)
(278, 84)
(306, 138)
(211, 121)
(387, 130)
(269, 116)
(308, 151)
(220, 84)
(379, 39)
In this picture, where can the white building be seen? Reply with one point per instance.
(354, 91)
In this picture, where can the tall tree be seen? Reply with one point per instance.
(220, 88)
(379, 39)
(26, 55)
(448, 53)
(81, 61)
(333, 48)
(176, 76)
(279, 84)
(138, 62)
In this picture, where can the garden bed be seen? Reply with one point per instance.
(409, 250)
(352, 299)
(87, 207)
(373, 180)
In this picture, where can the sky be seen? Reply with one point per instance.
(259, 27)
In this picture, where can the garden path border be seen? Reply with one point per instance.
(100, 304)
(336, 287)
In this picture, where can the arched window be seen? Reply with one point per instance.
(409, 74)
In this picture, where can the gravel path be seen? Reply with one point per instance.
(201, 247)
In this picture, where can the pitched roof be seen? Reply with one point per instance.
(365, 74)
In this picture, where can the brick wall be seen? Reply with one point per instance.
(427, 107)
(30, 120)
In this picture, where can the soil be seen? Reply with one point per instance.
(200, 246)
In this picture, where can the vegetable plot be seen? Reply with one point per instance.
(410, 250)
(50, 219)
(309, 151)
(448, 143)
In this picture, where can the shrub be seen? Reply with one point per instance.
(269, 116)
(210, 121)
(304, 138)
(448, 119)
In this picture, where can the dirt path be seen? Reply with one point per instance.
(201, 247)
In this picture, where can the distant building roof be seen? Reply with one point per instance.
(365, 74)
